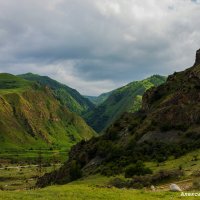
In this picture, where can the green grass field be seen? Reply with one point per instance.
(90, 189)
(18, 183)
(20, 169)
(18, 177)
(31, 156)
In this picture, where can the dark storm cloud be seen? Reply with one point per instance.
(96, 46)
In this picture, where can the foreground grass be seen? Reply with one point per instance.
(93, 187)
(84, 191)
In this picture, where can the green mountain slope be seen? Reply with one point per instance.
(31, 117)
(67, 96)
(124, 99)
(167, 127)
(99, 99)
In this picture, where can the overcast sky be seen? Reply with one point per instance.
(95, 46)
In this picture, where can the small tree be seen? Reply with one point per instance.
(39, 163)
(75, 171)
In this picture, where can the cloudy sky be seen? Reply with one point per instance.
(98, 45)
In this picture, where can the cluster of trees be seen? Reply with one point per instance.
(129, 159)
(137, 169)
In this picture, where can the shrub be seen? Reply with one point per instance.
(1, 187)
(138, 182)
(107, 172)
(112, 134)
(119, 183)
(83, 158)
(167, 127)
(137, 169)
(196, 184)
(111, 169)
(196, 173)
(104, 148)
(161, 158)
(163, 175)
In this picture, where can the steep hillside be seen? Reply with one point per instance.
(31, 117)
(124, 99)
(67, 96)
(99, 99)
(13, 83)
(167, 126)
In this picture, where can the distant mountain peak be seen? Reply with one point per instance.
(197, 61)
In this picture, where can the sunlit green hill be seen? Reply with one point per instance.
(31, 117)
(67, 96)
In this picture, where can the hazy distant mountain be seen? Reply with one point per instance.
(99, 99)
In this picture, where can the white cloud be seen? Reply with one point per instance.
(95, 46)
(108, 8)
(64, 73)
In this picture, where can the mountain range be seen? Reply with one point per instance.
(125, 99)
(167, 125)
(32, 116)
(37, 111)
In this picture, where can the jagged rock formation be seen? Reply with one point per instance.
(197, 61)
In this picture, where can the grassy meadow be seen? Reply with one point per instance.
(19, 170)
(17, 182)
(90, 189)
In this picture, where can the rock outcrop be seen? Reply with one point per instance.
(197, 61)
(175, 188)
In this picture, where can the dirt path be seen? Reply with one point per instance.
(23, 166)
